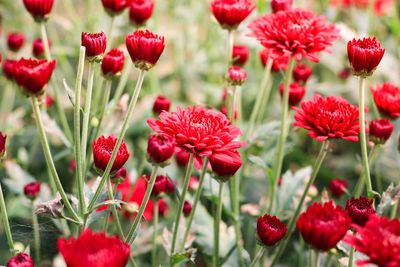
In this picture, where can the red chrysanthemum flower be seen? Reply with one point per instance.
(230, 13)
(115, 7)
(112, 64)
(379, 239)
(296, 93)
(160, 104)
(338, 187)
(301, 73)
(32, 190)
(387, 99)
(296, 32)
(38, 48)
(279, 63)
(281, 5)
(94, 250)
(330, 117)
(9, 69)
(20, 260)
(240, 55)
(160, 149)
(32, 75)
(323, 226)
(140, 11)
(3, 139)
(270, 230)
(15, 41)
(380, 131)
(225, 164)
(236, 76)
(360, 209)
(198, 130)
(95, 44)
(39, 9)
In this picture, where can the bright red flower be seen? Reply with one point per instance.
(323, 226)
(338, 187)
(330, 117)
(225, 164)
(240, 54)
(94, 250)
(32, 75)
(160, 149)
(140, 11)
(380, 130)
(187, 208)
(32, 190)
(198, 130)
(236, 75)
(281, 5)
(115, 7)
(95, 44)
(112, 64)
(9, 69)
(295, 32)
(15, 41)
(160, 104)
(39, 9)
(38, 48)
(379, 239)
(270, 230)
(230, 13)
(279, 63)
(387, 99)
(145, 48)
(296, 93)
(20, 260)
(182, 158)
(3, 139)
(301, 73)
(360, 209)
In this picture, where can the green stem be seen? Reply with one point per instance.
(49, 159)
(317, 165)
(114, 209)
(217, 226)
(351, 257)
(316, 263)
(282, 138)
(146, 198)
(264, 104)
(310, 262)
(107, 218)
(110, 35)
(361, 180)
(7, 228)
(393, 211)
(131, 260)
(257, 257)
(230, 47)
(36, 237)
(154, 239)
(106, 97)
(329, 260)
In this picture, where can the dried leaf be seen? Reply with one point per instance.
(52, 208)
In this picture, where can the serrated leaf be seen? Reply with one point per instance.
(95, 216)
(70, 93)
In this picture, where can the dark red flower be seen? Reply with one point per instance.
(112, 64)
(338, 187)
(140, 11)
(32, 75)
(72, 165)
(379, 239)
(162, 207)
(160, 104)
(281, 5)
(120, 176)
(32, 190)
(102, 151)
(115, 7)
(301, 73)
(344, 74)
(295, 32)
(364, 55)
(236, 75)
(187, 208)
(161, 185)
(20, 260)
(49, 101)
(296, 93)
(225, 164)
(95, 44)
(182, 158)
(270, 230)
(3, 139)
(15, 41)
(145, 48)
(38, 48)
(240, 54)
(330, 117)
(360, 209)
(94, 250)
(160, 149)
(9, 69)
(387, 99)
(380, 130)
(39, 9)
(230, 13)
(193, 183)
(278, 64)
(169, 186)
(323, 226)
(198, 130)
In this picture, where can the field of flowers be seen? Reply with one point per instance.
(235, 133)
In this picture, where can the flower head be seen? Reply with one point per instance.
(295, 32)
(115, 7)
(279, 63)
(240, 54)
(187, 208)
(330, 117)
(160, 149)
(160, 104)
(140, 11)
(380, 130)
(112, 64)
(182, 158)
(236, 76)
(120, 176)
(323, 226)
(38, 48)
(32, 190)
(387, 99)
(20, 260)
(3, 139)
(9, 69)
(281, 5)
(338, 187)
(225, 164)
(230, 13)
(39, 9)
(301, 73)
(15, 41)
(360, 209)
(94, 250)
(270, 230)
(296, 93)
(95, 44)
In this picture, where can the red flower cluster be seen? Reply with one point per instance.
(38, 48)
(94, 250)
(338, 187)
(32, 190)
(115, 7)
(230, 13)
(236, 75)
(140, 11)
(301, 73)
(112, 64)
(20, 260)
(95, 44)
(39, 9)
(330, 117)
(15, 41)
(281, 5)
(225, 164)
(380, 6)
(296, 93)
(3, 139)
(279, 63)
(160, 104)
(387, 99)
(240, 55)
(160, 149)
(380, 131)
(296, 32)
(270, 230)
(360, 209)
(9, 69)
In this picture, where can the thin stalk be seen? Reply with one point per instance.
(258, 257)
(316, 262)
(282, 138)
(393, 211)
(110, 35)
(217, 226)
(107, 218)
(7, 228)
(239, 105)
(146, 198)
(361, 180)
(317, 165)
(264, 104)
(36, 235)
(131, 260)
(154, 238)
(49, 159)
(329, 260)
(114, 210)
(310, 261)
(230, 47)
(106, 97)
(351, 257)
(182, 201)
(131, 107)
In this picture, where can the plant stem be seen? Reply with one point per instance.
(257, 257)
(146, 198)
(106, 97)
(230, 47)
(49, 159)
(310, 262)
(107, 218)
(361, 180)
(154, 239)
(110, 34)
(264, 104)
(282, 138)
(35, 225)
(316, 263)
(351, 257)
(114, 209)
(217, 226)
(322, 153)
(7, 228)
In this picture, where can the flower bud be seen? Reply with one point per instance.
(15, 41)
(162, 185)
(140, 11)
(187, 208)
(160, 104)
(32, 190)
(240, 54)
(281, 5)
(229, 13)
(301, 73)
(3, 139)
(162, 207)
(344, 74)
(120, 176)
(359, 209)
(49, 101)
(236, 76)
(114, 7)
(225, 164)
(160, 149)
(39, 9)
(20, 260)
(72, 165)
(380, 131)
(182, 158)
(95, 44)
(38, 48)
(296, 93)
(9, 69)
(112, 64)
(338, 187)
(270, 230)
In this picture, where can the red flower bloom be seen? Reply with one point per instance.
(140, 11)
(296, 93)
(9, 69)
(39, 9)
(380, 130)
(230, 13)
(187, 208)
(15, 41)
(281, 5)
(102, 151)
(278, 64)
(338, 187)
(160, 149)
(32, 190)
(330, 117)
(323, 226)
(387, 99)
(236, 75)
(32, 75)
(95, 44)
(198, 130)
(145, 48)
(296, 32)
(182, 158)
(38, 48)
(270, 230)
(94, 250)
(301, 73)
(379, 239)
(160, 104)
(364, 55)
(115, 7)
(112, 64)
(360, 209)
(20, 260)
(240, 54)
(120, 176)
(3, 139)
(225, 164)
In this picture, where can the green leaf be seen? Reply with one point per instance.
(179, 257)
(258, 161)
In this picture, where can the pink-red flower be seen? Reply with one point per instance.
(160, 104)
(338, 187)
(9, 69)
(140, 11)
(115, 7)
(15, 41)
(113, 63)
(380, 130)
(193, 183)
(323, 226)
(3, 139)
(296, 93)
(279, 63)
(387, 99)
(330, 117)
(38, 48)
(240, 55)
(160, 149)
(39, 9)
(295, 32)
(230, 13)
(32, 190)
(20, 260)
(270, 230)
(281, 5)
(360, 209)
(379, 240)
(236, 75)
(225, 164)
(95, 44)
(301, 73)
(92, 249)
